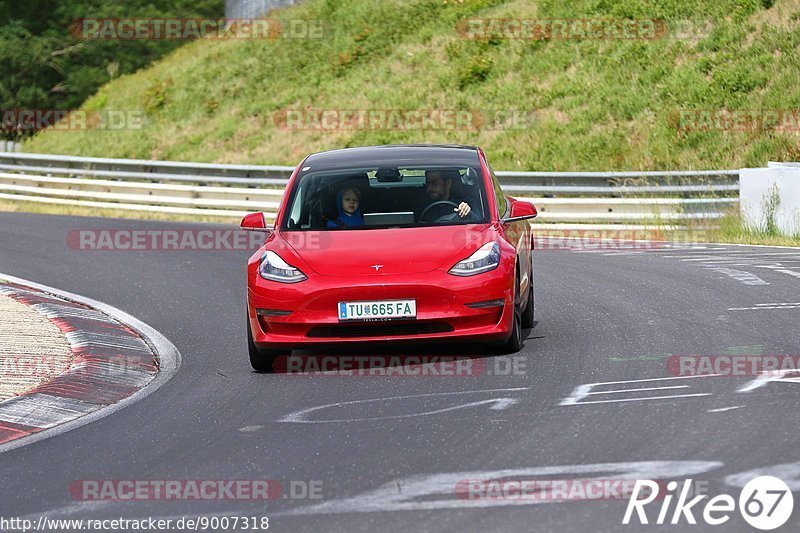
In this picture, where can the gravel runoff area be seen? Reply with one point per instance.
(32, 349)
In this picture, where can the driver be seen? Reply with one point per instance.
(437, 189)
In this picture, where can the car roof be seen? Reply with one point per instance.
(394, 155)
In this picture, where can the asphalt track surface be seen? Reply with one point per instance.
(602, 316)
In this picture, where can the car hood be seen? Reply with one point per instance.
(379, 252)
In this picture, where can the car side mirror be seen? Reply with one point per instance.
(521, 210)
(255, 222)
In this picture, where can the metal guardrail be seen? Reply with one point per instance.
(586, 199)
(143, 166)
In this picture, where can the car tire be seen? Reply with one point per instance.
(528, 314)
(261, 360)
(514, 342)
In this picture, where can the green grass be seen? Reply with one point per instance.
(597, 104)
(732, 230)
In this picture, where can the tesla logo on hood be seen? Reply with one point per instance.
(377, 267)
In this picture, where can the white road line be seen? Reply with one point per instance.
(729, 261)
(710, 259)
(766, 377)
(638, 390)
(766, 254)
(704, 253)
(431, 492)
(741, 276)
(764, 307)
(298, 417)
(656, 379)
(643, 399)
(745, 253)
(790, 272)
(692, 251)
(723, 409)
(497, 404)
(582, 391)
(733, 257)
(622, 253)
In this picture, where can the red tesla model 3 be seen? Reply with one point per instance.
(397, 243)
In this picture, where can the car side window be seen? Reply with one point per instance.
(499, 197)
(297, 209)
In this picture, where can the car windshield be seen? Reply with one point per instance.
(383, 197)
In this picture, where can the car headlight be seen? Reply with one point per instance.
(486, 258)
(274, 268)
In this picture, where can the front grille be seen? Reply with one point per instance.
(378, 329)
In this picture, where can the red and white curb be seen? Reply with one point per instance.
(117, 360)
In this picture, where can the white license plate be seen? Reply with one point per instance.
(379, 310)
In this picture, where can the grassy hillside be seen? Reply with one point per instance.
(599, 104)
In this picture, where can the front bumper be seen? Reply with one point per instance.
(442, 311)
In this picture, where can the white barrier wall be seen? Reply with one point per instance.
(771, 197)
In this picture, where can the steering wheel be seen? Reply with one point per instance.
(435, 204)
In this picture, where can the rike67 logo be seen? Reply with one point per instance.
(765, 503)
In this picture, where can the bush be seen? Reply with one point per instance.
(476, 70)
(156, 96)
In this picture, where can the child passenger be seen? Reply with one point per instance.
(348, 201)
